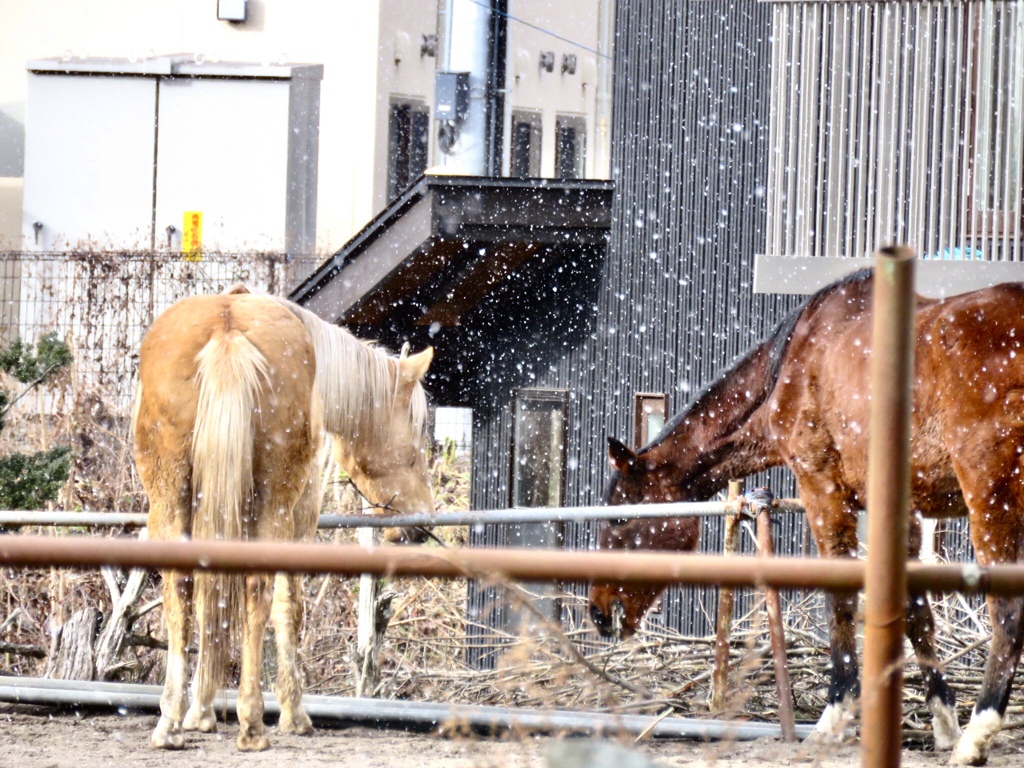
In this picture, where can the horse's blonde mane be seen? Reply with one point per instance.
(357, 382)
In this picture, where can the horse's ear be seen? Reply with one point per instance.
(414, 367)
(621, 458)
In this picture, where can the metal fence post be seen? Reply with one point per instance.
(892, 368)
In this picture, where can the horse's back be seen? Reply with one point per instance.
(168, 356)
(969, 383)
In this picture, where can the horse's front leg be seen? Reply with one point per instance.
(177, 594)
(252, 733)
(834, 524)
(920, 629)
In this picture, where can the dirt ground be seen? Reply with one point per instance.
(37, 737)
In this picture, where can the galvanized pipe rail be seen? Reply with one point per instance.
(18, 519)
(384, 711)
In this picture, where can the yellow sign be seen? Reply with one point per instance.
(192, 236)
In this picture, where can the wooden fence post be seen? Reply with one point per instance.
(720, 679)
(773, 607)
(374, 614)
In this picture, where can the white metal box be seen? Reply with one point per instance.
(117, 152)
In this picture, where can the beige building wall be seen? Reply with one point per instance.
(550, 94)
(371, 55)
(403, 73)
(343, 36)
(533, 26)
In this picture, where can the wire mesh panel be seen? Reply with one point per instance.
(102, 303)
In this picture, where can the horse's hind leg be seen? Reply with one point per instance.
(1004, 654)
(920, 629)
(177, 595)
(286, 615)
(252, 733)
(996, 532)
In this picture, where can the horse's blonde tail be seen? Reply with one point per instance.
(230, 370)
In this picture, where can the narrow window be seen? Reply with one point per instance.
(649, 410)
(455, 426)
(526, 145)
(570, 145)
(538, 448)
(408, 135)
(538, 480)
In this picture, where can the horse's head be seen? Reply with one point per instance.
(617, 609)
(392, 472)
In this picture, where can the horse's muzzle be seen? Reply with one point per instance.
(416, 535)
(610, 625)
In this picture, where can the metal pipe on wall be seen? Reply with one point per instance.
(467, 26)
(885, 604)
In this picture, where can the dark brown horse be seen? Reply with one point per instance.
(801, 399)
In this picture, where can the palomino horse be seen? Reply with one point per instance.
(234, 392)
(801, 399)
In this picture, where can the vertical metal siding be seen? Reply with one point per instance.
(673, 303)
(886, 119)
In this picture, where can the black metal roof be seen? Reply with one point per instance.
(448, 242)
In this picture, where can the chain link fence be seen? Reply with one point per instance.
(101, 304)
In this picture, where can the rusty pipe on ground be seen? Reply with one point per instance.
(885, 602)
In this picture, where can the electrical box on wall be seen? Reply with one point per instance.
(451, 96)
(231, 10)
(238, 144)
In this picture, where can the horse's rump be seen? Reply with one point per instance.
(226, 395)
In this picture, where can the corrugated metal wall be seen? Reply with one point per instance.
(671, 303)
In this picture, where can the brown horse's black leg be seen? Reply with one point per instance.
(1004, 654)
(995, 502)
(845, 682)
(939, 697)
(833, 520)
(920, 629)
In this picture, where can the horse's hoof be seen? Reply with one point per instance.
(167, 736)
(252, 742)
(944, 725)
(825, 738)
(971, 754)
(253, 738)
(831, 727)
(299, 724)
(972, 748)
(197, 720)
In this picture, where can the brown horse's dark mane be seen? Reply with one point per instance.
(718, 434)
(774, 346)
